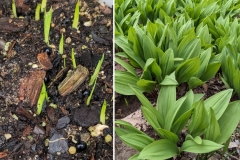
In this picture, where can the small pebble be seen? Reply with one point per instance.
(108, 138)
(84, 47)
(72, 150)
(88, 23)
(30, 63)
(34, 66)
(68, 40)
(7, 136)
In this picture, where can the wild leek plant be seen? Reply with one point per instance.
(73, 59)
(90, 96)
(37, 12)
(14, 10)
(103, 112)
(43, 97)
(95, 74)
(43, 5)
(76, 16)
(47, 24)
(61, 45)
(209, 123)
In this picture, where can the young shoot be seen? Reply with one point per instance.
(43, 97)
(14, 10)
(47, 24)
(61, 43)
(37, 12)
(73, 59)
(103, 112)
(90, 96)
(95, 74)
(43, 5)
(76, 16)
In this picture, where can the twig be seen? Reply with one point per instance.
(10, 50)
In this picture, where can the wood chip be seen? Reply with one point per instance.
(3, 154)
(26, 131)
(13, 24)
(24, 113)
(31, 86)
(44, 61)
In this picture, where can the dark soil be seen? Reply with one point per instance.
(23, 133)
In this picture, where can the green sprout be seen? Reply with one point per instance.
(94, 76)
(61, 45)
(47, 24)
(103, 111)
(43, 5)
(90, 96)
(73, 59)
(76, 16)
(14, 10)
(42, 98)
(37, 12)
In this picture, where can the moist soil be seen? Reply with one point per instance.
(64, 120)
(128, 108)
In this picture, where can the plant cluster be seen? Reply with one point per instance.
(173, 42)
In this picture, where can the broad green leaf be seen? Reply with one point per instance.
(213, 130)
(122, 42)
(172, 112)
(169, 135)
(167, 62)
(187, 69)
(127, 66)
(236, 82)
(152, 67)
(204, 58)
(151, 119)
(136, 141)
(180, 123)
(206, 146)
(149, 48)
(186, 40)
(229, 121)
(159, 150)
(210, 71)
(191, 50)
(147, 85)
(134, 157)
(123, 80)
(199, 121)
(187, 104)
(197, 139)
(203, 32)
(218, 102)
(166, 99)
(127, 126)
(194, 82)
(146, 103)
(169, 80)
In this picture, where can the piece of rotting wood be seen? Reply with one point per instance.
(73, 80)
(31, 86)
(12, 24)
(44, 61)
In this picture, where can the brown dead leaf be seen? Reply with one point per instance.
(64, 111)
(26, 131)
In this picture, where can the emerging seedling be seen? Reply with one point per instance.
(95, 74)
(14, 10)
(61, 43)
(43, 5)
(47, 24)
(103, 112)
(43, 97)
(73, 59)
(90, 96)
(37, 12)
(76, 16)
